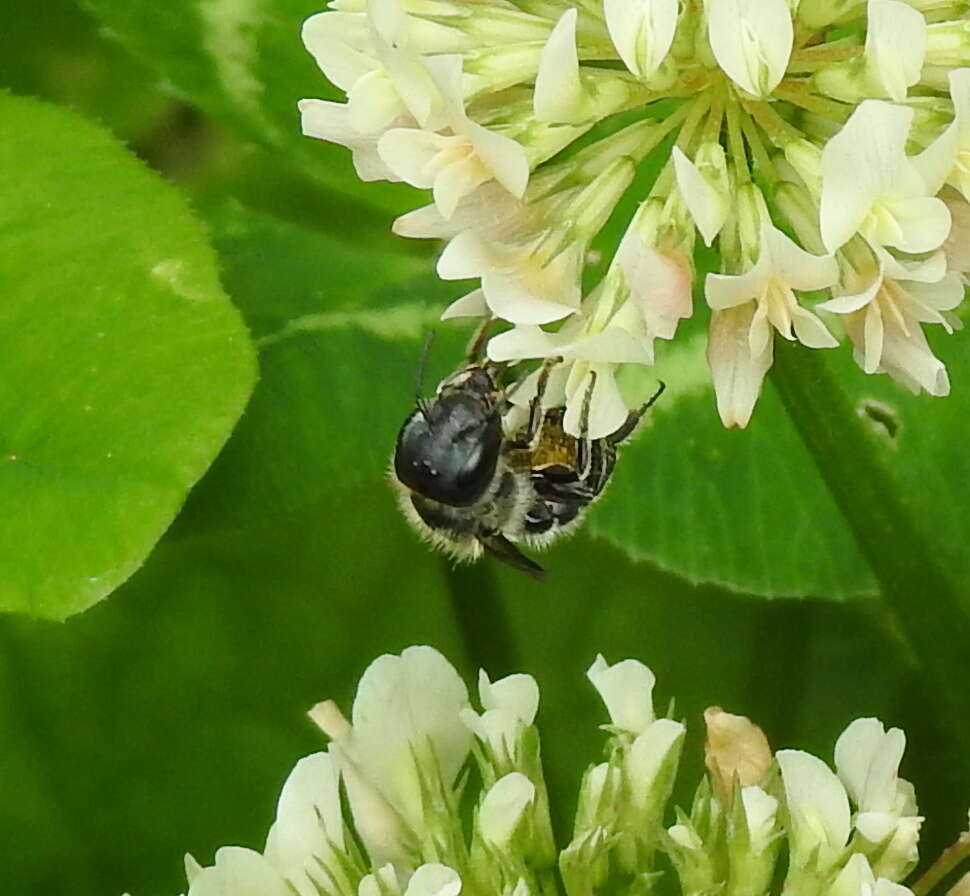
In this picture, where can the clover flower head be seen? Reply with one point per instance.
(380, 812)
(790, 136)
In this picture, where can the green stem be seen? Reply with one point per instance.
(901, 556)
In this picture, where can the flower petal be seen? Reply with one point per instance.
(707, 206)
(737, 374)
(626, 688)
(922, 223)
(522, 342)
(810, 331)
(409, 153)
(239, 872)
(863, 162)
(470, 305)
(308, 822)
(642, 32)
(504, 157)
(406, 706)
(503, 806)
(818, 808)
(798, 268)
(751, 41)
(434, 879)
(559, 95)
(607, 409)
(517, 693)
(895, 46)
(337, 42)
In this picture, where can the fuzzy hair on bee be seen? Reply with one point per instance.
(472, 482)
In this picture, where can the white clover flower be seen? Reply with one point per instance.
(405, 737)
(767, 288)
(728, 841)
(455, 164)
(895, 46)
(818, 809)
(947, 159)
(752, 41)
(885, 321)
(871, 187)
(510, 705)
(627, 690)
(642, 32)
(867, 758)
(483, 105)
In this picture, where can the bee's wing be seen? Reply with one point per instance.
(503, 549)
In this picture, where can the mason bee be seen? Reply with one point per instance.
(470, 487)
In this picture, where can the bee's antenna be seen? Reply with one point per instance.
(422, 364)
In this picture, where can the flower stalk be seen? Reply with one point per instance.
(857, 471)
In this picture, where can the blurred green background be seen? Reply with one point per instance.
(165, 719)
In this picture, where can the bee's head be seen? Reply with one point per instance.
(448, 449)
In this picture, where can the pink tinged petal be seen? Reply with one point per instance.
(409, 153)
(559, 95)
(707, 205)
(736, 373)
(873, 334)
(607, 410)
(642, 32)
(373, 103)
(504, 157)
(895, 46)
(751, 41)
(922, 224)
(798, 268)
(522, 342)
(810, 331)
(659, 283)
(470, 305)
(863, 162)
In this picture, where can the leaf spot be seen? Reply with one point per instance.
(881, 418)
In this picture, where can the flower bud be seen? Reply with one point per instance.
(735, 748)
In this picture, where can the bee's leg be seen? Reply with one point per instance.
(536, 410)
(475, 351)
(584, 453)
(630, 424)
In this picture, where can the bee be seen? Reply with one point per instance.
(470, 487)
